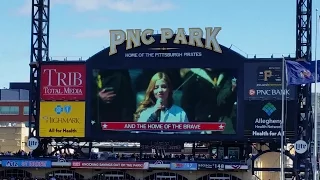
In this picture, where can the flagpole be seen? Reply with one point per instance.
(315, 148)
(282, 174)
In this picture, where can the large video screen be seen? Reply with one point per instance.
(164, 101)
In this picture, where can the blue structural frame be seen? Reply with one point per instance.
(306, 123)
(39, 53)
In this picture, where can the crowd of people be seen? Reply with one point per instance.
(167, 157)
(20, 153)
(28, 178)
(122, 156)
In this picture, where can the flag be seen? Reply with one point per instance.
(300, 72)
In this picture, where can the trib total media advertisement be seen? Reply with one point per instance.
(62, 106)
(63, 82)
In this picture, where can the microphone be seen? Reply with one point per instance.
(158, 113)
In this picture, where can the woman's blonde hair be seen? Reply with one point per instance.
(149, 99)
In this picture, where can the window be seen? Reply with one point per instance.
(25, 110)
(9, 110)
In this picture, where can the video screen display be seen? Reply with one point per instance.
(164, 101)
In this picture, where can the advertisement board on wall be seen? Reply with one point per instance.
(26, 164)
(109, 165)
(62, 119)
(263, 119)
(263, 80)
(63, 81)
(183, 166)
(211, 166)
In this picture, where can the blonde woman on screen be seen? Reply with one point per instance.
(157, 105)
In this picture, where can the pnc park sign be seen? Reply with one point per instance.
(135, 37)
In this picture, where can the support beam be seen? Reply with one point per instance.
(39, 53)
(303, 51)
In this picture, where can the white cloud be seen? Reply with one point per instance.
(117, 5)
(92, 33)
(25, 9)
(140, 5)
(120, 5)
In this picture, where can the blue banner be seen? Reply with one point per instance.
(183, 166)
(26, 163)
(300, 72)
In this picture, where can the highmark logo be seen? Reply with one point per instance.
(269, 109)
(60, 109)
(63, 116)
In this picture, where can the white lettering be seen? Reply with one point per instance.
(129, 126)
(180, 37)
(211, 39)
(49, 75)
(166, 33)
(195, 37)
(63, 78)
(267, 127)
(77, 80)
(273, 92)
(145, 33)
(72, 91)
(134, 38)
(117, 37)
(62, 83)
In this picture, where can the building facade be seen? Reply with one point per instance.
(14, 111)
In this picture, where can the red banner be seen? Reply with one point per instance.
(134, 126)
(63, 82)
(109, 165)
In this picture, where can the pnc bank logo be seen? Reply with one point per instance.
(60, 109)
(269, 108)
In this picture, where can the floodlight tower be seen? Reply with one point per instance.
(303, 51)
(39, 53)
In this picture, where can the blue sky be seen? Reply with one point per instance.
(80, 28)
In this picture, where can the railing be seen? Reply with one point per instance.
(55, 159)
(68, 58)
